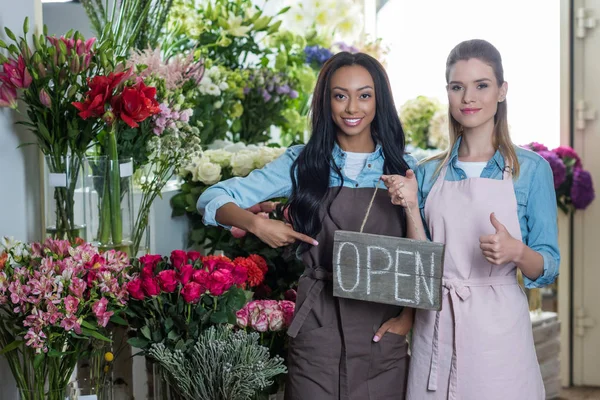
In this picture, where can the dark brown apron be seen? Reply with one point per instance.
(332, 355)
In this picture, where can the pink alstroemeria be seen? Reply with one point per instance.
(99, 309)
(71, 305)
(71, 323)
(16, 73)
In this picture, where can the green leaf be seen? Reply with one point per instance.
(219, 317)
(95, 334)
(138, 342)
(180, 345)
(146, 332)
(168, 324)
(118, 320)
(173, 335)
(86, 324)
(11, 347)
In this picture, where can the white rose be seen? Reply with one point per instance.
(242, 163)
(264, 155)
(207, 173)
(235, 147)
(219, 156)
(219, 144)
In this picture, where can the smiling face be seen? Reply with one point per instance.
(352, 100)
(473, 93)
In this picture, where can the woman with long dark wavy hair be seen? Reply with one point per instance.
(339, 348)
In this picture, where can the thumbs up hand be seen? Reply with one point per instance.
(499, 248)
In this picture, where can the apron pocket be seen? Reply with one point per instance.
(388, 371)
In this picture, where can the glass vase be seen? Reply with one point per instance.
(65, 200)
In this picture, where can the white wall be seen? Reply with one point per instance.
(20, 204)
(62, 17)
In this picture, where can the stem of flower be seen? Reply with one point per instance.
(115, 186)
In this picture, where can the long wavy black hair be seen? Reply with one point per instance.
(311, 171)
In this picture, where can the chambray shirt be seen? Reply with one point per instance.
(536, 202)
(274, 181)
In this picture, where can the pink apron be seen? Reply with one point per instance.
(480, 345)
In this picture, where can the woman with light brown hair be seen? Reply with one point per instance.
(493, 204)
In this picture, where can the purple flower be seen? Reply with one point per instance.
(535, 146)
(565, 153)
(558, 167)
(317, 55)
(266, 96)
(284, 89)
(246, 90)
(582, 191)
(293, 94)
(344, 47)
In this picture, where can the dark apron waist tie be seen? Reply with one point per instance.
(320, 276)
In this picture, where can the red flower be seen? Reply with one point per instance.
(219, 282)
(151, 259)
(191, 292)
(255, 274)
(100, 94)
(201, 277)
(260, 261)
(290, 295)
(135, 104)
(193, 256)
(178, 258)
(185, 273)
(151, 286)
(262, 291)
(134, 288)
(168, 280)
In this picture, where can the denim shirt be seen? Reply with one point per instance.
(273, 181)
(536, 202)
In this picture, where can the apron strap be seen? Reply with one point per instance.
(320, 276)
(459, 290)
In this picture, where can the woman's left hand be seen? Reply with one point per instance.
(399, 325)
(402, 189)
(500, 248)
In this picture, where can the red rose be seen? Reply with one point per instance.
(240, 275)
(151, 260)
(185, 273)
(151, 286)
(178, 258)
(191, 292)
(214, 262)
(193, 256)
(168, 280)
(262, 291)
(219, 282)
(134, 288)
(290, 295)
(135, 104)
(201, 277)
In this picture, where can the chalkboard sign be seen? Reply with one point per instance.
(386, 269)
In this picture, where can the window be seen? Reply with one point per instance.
(420, 35)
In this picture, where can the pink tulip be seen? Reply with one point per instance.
(8, 96)
(45, 98)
